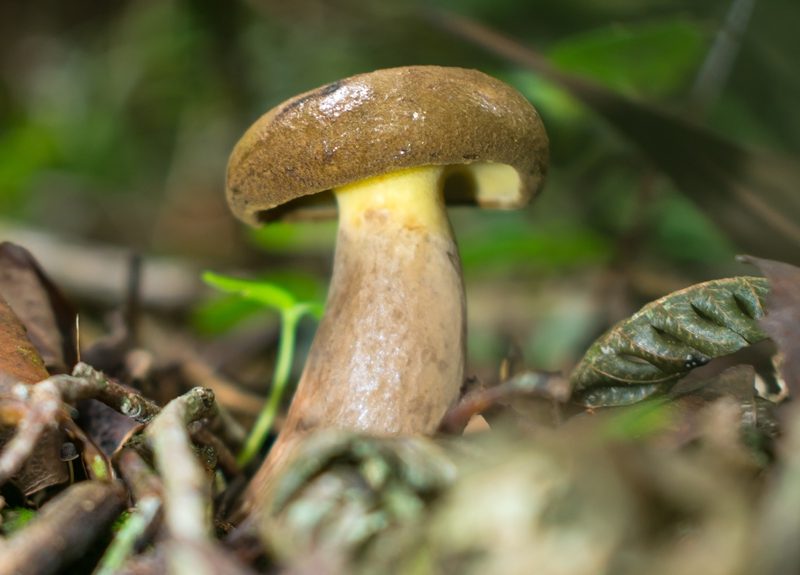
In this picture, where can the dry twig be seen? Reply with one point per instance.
(186, 486)
(531, 384)
(187, 490)
(43, 408)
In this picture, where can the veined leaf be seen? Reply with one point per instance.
(19, 360)
(648, 352)
(21, 363)
(783, 322)
(41, 307)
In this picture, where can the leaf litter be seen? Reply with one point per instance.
(702, 478)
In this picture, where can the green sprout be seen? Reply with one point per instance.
(13, 519)
(291, 312)
(127, 528)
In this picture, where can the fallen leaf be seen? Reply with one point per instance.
(19, 360)
(40, 306)
(757, 421)
(648, 352)
(21, 363)
(782, 321)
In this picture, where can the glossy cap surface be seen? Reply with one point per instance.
(375, 123)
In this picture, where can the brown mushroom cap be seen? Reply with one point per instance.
(376, 123)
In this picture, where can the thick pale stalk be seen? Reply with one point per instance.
(388, 357)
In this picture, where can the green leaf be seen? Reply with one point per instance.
(678, 228)
(285, 293)
(25, 150)
(15, 518)
(267, 294)
(654, 58)
(752, 196)
(222, 314)
(641, 420)
(295, 237)
(648, 352)
(511, 245)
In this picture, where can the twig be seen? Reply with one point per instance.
(195, 558)
(186, 487)
(529, 383)
(64, 529)
(228, 429)
(719, 61)
(98, 465)
(229, 394)
(125, 400)
(225, 459)
(44, 403)
(43, 408)
(140, 479)
(187, 493)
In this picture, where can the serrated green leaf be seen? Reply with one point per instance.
(648, 352)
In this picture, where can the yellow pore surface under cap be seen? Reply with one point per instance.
(412, 198)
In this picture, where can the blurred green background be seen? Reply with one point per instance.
(116, 119)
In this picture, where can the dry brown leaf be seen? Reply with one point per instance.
(40, 306)
(20, 362)
(782, 321)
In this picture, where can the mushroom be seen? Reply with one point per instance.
(392, 146)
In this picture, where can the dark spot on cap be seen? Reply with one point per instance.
(323, 91)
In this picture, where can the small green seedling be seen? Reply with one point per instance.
(13, 519)
(291, 312)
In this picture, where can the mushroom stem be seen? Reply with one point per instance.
(388, 356)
